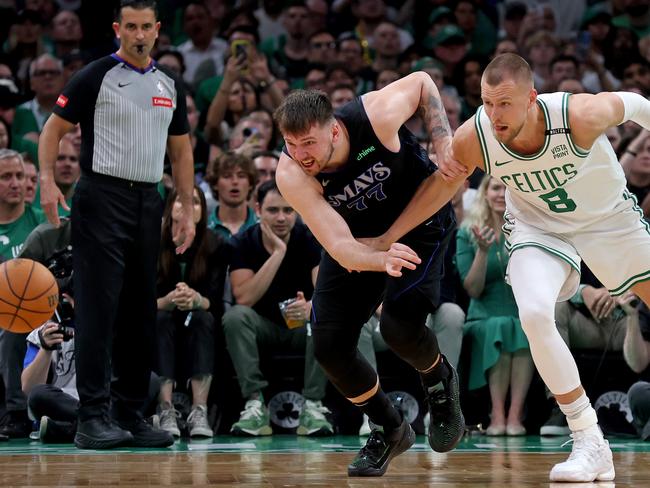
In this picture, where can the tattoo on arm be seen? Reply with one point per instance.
(435, 118)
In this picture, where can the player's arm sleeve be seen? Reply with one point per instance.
(637, 108)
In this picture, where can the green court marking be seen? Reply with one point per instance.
(292, 444)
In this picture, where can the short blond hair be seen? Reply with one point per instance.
(508, 66)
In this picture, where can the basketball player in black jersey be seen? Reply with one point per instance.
(349, 174)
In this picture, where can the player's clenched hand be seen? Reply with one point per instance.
(449, 167)
(400, 256)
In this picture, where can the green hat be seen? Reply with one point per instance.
(426, 62)
(448, 33)
(443, 11)
(596, 12)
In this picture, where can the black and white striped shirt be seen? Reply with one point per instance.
(126, 114)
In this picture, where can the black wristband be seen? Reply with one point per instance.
(43, 343)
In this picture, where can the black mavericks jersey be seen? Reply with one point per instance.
(376, 184)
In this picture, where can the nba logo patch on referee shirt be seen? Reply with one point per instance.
(62, 101)
(162, 102)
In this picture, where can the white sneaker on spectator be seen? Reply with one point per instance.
(197, 422)
(168, 420)
(590, 458)
(364, 430)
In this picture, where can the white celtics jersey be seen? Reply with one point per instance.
(562, 187)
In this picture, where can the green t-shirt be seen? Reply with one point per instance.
(13, 235)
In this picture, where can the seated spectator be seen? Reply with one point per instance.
(66, 172)
(231, 179)
(190, 291)
(266, 163)
(341, 94)
(17, 220)
(385, 77)
(500, 351)
(46, 80)
(31, 180)
(273, 261)
(636, 352)
(636, 165)
(591, 319)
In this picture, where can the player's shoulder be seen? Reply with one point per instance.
(96, 69)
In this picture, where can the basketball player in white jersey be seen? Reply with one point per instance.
(566, 200)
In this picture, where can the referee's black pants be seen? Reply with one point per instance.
(115, 238)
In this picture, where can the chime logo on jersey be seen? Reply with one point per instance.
(366, 185)
(62, 101)
(162, 102)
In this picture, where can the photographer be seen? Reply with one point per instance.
(49, 375)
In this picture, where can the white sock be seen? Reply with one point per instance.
(580, 414)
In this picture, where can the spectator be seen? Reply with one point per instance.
(190, 291)
(273, 261)
(316, 78)
(266, 163)
(289, 51)
(4, 134)
(203, 52)
(500, 352)
(562, 67)
(67, 33)
(636, 352)
(571, 85)
(46, 79)
(66, 172)
(341, 94)
(31, 180)
(468, 80)
(385, 77)
(387, 46)
(350, 53)
(478, 28)
(505, 46)
(231, 178)
(540, 49)
(449, 47)
(269, 15)
(25, 43)
(321, 48)
(17, 220)
(636, 165)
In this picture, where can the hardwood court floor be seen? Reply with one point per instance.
(288, 461)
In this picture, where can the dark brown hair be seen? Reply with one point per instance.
(168, 260)
(301, 110)
(229, 161)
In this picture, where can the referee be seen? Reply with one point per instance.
(130, 110)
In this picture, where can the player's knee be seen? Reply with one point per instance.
(329, 352)
(536, 317)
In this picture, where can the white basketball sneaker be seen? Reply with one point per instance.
(590, 459)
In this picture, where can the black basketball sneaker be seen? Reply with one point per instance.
(447, 422)
(373, 458)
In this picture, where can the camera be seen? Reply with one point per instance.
(60, 265)
(65, 316)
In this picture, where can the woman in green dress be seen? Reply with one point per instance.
(500, 352)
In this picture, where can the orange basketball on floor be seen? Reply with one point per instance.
(28, 295)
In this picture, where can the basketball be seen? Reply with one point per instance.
(28, 295)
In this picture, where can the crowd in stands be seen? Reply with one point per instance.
(250, 273)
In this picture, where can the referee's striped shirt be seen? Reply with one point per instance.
(126, 114)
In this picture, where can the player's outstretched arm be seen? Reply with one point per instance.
(389, 108)
(591, 115)
(305, 195)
